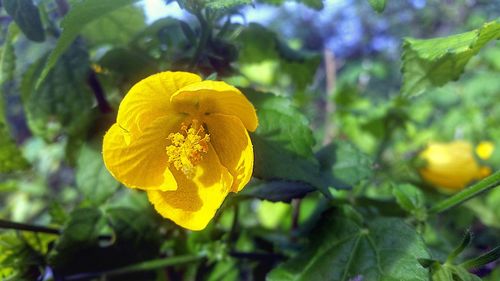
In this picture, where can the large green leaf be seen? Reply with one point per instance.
(343, 165)
(283, 141)
(117, 27)
(434, 62)
(63, 99)
(342, 249)
(92, 178)
(27, 17)
(83, 13)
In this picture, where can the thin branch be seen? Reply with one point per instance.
(28, 227)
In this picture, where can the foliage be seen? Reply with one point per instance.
(337, 191)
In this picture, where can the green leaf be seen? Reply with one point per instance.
(63, 99)
(282, 138)
(116, 28)
(299, 66)
(410, 198)
(434, 62)
(343, 165)
(92, 178)
(226, 4)
(8, 56)
(83, 13)
(378, 5)
(11, 158)
(27, 17)
(133, 65)
(382, 249)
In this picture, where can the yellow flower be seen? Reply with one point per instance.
(485, 149)
(185, 142)
(451, 166)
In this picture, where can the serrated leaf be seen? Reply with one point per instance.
(434, 62)
(378, 5)
(62, 100)
(27, 17)
(283, 141)
(116, 28)
(340, 249)
(343, 165)
(226, 4)
(92, 178)
(78, 17)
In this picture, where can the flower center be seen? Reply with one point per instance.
(187, 147)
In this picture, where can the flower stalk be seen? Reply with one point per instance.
(482, 186)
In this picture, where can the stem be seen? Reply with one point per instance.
(27, 227)
(205, 34)
(155, 264)
(295, 213)
(234, 227)
(256, 256)
(488, 183)
(96, 87)
(142, 266)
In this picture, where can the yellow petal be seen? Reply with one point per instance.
(196, 200)
(450, 165)
(149, 99)
(215, 97)
(141, 163)
(233, 146)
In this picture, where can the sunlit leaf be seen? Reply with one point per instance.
(433, 62)
(116, 28)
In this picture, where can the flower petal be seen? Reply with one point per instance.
(150, 98)
(196, 200)
(141, 163)
(232, 143)
(215, 97)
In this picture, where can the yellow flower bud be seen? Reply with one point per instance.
(451, 166)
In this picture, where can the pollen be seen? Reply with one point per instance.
(187, 147)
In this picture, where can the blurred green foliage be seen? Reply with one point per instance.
(336, 193)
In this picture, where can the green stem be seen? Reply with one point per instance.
(27, 227)
(488, 183)
(155, 264)
(205, 35)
